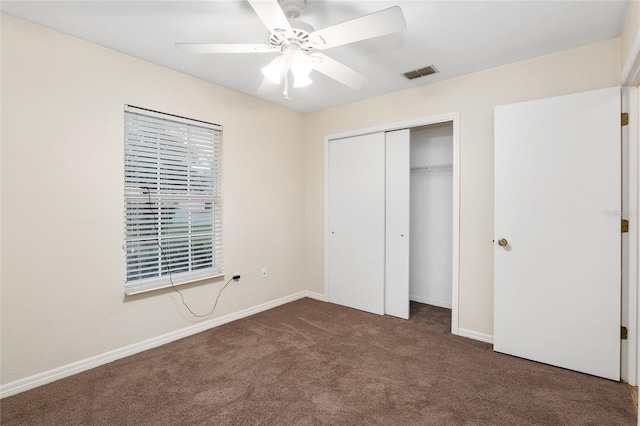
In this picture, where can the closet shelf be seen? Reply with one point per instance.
(433, 168)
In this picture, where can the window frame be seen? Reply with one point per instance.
(198, 190)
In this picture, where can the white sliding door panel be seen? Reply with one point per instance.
(398, 148)
(557, 188)
(356, 225)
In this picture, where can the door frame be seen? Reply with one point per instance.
(629, 82)
(454, 118)
(630, 241)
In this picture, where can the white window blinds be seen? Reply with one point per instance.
(172, 200)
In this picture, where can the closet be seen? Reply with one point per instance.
(385, 189)
(431, 211)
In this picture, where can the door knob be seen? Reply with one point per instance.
(502, 242)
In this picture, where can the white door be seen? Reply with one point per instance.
(398, 177)
(557, 201)
(356, 225)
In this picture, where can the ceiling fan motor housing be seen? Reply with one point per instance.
(301, 30)
(300, 37)
(292, 8)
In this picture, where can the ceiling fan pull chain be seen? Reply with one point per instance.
(286, 86)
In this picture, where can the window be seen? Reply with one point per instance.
(172, 200)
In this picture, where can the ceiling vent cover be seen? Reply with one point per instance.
(422, 72)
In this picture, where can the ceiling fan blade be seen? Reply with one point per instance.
(375, 24)
(223, 48)
(271, 14)
(338, 71)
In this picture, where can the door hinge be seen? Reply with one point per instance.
(625, 225)
(623, 333)
(624, 118)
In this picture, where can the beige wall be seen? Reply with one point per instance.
(62, 200)
(629, 31)
(474, 97)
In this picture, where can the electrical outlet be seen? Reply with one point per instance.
(263, 272)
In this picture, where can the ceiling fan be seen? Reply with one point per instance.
(299, 43)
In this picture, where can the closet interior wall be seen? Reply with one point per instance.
(431, 212)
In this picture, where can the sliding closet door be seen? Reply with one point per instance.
(398, 147)
(356, 222)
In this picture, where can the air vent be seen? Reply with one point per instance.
(422, 72)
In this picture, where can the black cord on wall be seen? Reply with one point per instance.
(166, 263)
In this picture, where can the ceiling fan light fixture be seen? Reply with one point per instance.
(301, 64)
(301, 80)
(275, 70)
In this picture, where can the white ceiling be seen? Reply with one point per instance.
(458, 37)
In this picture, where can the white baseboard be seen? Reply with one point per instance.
(429, 301)
(314, 295)
(487, 338)
(40, 379)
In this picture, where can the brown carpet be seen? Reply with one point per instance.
(313, 363)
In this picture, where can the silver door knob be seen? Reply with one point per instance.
(502, 242)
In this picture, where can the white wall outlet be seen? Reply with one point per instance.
(263, 272)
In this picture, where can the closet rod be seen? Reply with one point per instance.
(433, 167)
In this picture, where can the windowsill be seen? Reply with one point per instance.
(151, 284)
